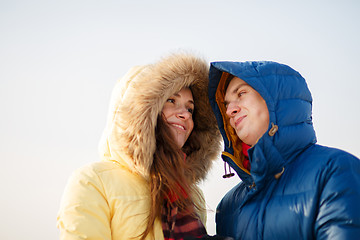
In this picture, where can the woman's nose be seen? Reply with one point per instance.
(183, 113)
(232, 109)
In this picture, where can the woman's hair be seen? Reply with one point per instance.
(170, 175)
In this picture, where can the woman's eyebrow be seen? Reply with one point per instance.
(190, 101)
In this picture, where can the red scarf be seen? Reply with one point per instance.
(246, 162)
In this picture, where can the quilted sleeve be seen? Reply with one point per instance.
(339, 208)
(84, 212)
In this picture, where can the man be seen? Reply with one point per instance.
(292, 188)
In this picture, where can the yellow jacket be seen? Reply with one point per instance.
(110, 199)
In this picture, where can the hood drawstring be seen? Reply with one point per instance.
(246, 162)
(230, 174)
(273, 129)
(278, 175)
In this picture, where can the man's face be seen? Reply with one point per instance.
(247, 110)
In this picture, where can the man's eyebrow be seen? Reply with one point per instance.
(239, 86)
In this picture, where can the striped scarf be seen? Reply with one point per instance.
(176, 225)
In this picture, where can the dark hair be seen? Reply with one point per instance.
(228, 80)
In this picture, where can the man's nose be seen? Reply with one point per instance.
(232, 109)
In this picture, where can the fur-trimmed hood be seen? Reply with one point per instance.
(136, 102)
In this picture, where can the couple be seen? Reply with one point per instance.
(162, 136)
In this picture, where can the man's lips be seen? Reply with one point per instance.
(237, 122)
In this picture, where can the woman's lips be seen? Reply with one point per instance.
(179, 126)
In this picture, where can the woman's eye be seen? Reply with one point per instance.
(170, 100)
(191, 110)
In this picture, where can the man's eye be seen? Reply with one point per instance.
(241, 93)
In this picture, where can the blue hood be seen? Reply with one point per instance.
(289, 103)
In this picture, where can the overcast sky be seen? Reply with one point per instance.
(59, 61)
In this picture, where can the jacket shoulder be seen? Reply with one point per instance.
(98, 195)
(103, 180)
(329, 157)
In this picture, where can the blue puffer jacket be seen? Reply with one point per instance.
(295, 189)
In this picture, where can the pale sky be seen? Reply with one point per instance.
(59, 61)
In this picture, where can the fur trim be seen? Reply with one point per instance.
(137, 100)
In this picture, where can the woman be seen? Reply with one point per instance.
(160, 140)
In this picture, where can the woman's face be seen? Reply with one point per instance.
(177, 112)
